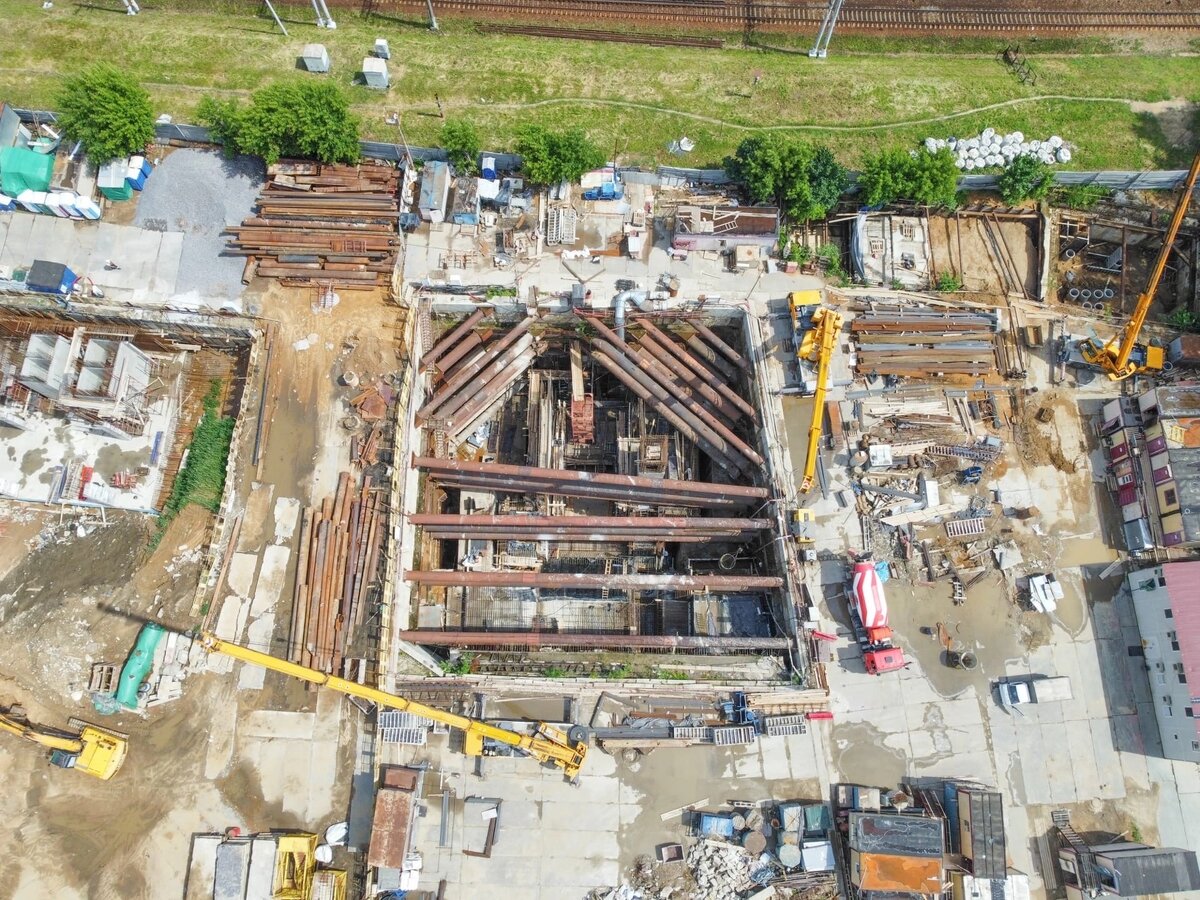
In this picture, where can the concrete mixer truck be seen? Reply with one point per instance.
(869, 618)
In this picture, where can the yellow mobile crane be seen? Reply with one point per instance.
(1123, 356)
(90, 749)
(547, 745)
(816, 345)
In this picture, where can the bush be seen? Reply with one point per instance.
(804, 180)
(927, 178)
(948, 283)
(461, 143)
(1025, 178)
(1080, 196)
(302, 119)
(460, 666)
(107, 111)
(554, 156)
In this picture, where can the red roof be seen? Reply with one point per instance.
(1183, 591)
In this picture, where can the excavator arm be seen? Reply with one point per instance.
(46, 739)
(818, 346)
(1117, 357)
(92, 750)
(550, 745)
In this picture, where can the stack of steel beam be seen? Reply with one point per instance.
(334, 226)
(579, 581)
(629, 489)
(925, 343)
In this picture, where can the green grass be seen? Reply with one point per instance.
(857, 100)
(202, 480)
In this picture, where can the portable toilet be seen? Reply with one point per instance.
(47, 277)
(54, 204)
(34, 201)
(381, 48)
(111, 180)
(88, 208)
(7, 203)
(488, 169)
(375, 73)
(68, 202)
(137, 172)
(315, 58)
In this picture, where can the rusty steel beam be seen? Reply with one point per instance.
(467, 345)
(481, 385)
(637, 485)
(466, 415)
(668, 344)
(711, 358)
(534, 639)
(453, 337)
(689, 378)
(715, 340)
(601, 522)
(570, 580)
(464, 376)
(584, 491)
(584, 537)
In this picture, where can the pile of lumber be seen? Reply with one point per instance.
(315, 224)
(924, 343)
(339, 558)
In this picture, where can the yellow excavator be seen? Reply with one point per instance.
(89, 749)
(815, 343)
(1123, 356)
(547, 745)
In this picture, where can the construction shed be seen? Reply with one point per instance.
(725, 227)
(435, 191)
(896, 854)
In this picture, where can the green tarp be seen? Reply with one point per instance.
(24, 170)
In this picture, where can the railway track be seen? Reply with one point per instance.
(732, 15)
(619, 37)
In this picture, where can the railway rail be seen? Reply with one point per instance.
(619, 37)
(736, 15)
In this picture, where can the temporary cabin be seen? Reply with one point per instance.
(315, 58)
(435, 191)
(112, 180)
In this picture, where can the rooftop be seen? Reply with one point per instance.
(726, 220)
(988, 854)
(896, 852)
(1151, 870)
(1183, 587)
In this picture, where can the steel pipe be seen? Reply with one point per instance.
(612, 495)
(483, 639)
(467, 345)
(464, 376)
(478, 386)
(715, 340)
(453, 337)
(635, 484)
(601, 522)
(710, 356)
(669, 346)
(570, 580)
(496, 388)
(718, 404)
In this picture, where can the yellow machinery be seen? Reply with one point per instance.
(816, 345)
(548, 745)
(89, 749)
(1123, 356)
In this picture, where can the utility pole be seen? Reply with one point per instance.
(275, 16)
(433, 25)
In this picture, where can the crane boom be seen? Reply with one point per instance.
(549, 745)
(1117, 357)
(817, 345)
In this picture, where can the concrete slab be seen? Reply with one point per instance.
(271, 724)
(287, 513)
(242, 569)
(271, 577)
(258, 634)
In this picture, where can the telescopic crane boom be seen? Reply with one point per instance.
(816, 345)
(548, 745)
(1123, 356)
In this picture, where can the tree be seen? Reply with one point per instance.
(803, 179)
(554, 156)
(1025, 178)
(304, 119)
(461, 143)
(107, 111)
(928, 178)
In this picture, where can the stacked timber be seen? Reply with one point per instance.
(925, 343)
(323, 225)
(340, 552)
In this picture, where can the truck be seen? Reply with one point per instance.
(869, 618)
(1016, 692)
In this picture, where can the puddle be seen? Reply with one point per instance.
(860, 756)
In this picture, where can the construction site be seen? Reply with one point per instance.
(569, 542)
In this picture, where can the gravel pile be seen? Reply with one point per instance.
(200, 193)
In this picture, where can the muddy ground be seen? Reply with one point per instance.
(77, 593)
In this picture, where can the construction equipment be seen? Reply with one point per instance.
(547, 745)
(815, 329)
(1123, 356)
(869, 618)
(88, 748)
(971, 475)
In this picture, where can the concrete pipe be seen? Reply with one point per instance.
(1073, 293)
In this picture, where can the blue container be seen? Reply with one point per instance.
(7, 203)
(135, 178)
(47, 277)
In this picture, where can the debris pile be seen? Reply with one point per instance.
(332, 226)
(722, 870)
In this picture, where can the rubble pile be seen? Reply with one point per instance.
(722, 871)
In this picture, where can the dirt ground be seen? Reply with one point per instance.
(77, 593)
(960, 244)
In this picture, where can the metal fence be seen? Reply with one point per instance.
(1149, 180)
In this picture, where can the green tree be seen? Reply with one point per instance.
(107, 111)
(804, 180)
(1025, 178)
(554, 156)
(928, 178)
(298, 118)
(461, 143)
